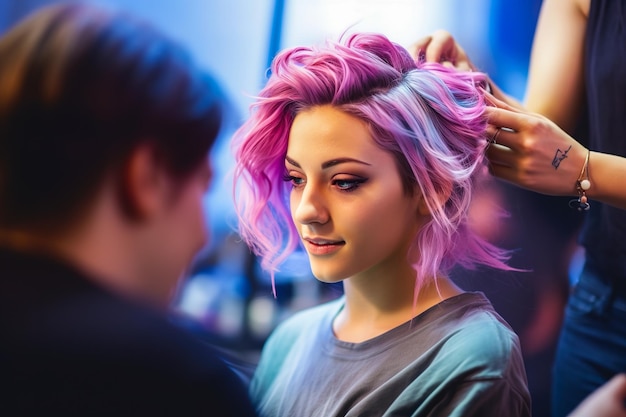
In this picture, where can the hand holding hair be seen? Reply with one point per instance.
(532, 152)
(441, 47)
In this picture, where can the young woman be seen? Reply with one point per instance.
(369, 160)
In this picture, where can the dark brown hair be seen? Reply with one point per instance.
(80, 88)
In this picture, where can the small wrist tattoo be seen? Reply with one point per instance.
(559, 156)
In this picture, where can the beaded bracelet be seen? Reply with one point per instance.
(582, 185)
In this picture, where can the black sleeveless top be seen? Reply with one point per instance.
(604, 231)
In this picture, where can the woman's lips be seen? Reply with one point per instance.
(322, 246)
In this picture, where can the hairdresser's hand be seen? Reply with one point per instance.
(606, 401)
(531, 151)
(441, 47)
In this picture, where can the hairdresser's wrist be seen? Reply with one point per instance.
(607, 174)
(582, 185)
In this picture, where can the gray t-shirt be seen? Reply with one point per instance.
(458, 358)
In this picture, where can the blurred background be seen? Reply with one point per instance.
(227, 293)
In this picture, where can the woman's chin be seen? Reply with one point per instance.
(328, 278)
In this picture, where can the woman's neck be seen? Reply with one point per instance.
(371, 310)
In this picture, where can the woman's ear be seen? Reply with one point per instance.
(422, 206)
(441, 197)
(142, 184)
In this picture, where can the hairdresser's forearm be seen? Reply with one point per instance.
(607, 174)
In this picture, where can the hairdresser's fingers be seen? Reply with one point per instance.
(503, 160)
(464, 65)
(501, 155)
(534, 137)
(418, 49)
(514, 121)
(504, 163)
(502, 152)
(458, 65)
(504, 173)
(441, 47)
(502, 135)
(532, 152)
(500, 128)
(493, 101)
(444, 48)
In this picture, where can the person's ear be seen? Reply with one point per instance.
(422, 206)
(440, 199)
(142, 184)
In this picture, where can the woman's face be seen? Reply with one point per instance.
(347, 200)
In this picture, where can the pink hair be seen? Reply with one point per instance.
(428, 116)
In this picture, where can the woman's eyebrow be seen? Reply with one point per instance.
(338, 161)
(292, 162)
(330, 163)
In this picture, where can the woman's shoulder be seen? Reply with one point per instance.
(479, 337)
(292, 338)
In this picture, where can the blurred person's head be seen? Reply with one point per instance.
(105, 129)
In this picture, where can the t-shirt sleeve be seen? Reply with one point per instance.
(276, 350)
(488, 398)
(477, 371)
(486, 373)
(269, 365)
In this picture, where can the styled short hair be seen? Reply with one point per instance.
(80, 88)
(428, 116)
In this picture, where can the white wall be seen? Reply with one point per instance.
(228, 37)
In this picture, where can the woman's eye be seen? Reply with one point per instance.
(348, 184)
(295, 181)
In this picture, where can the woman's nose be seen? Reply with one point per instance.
(309, 206)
